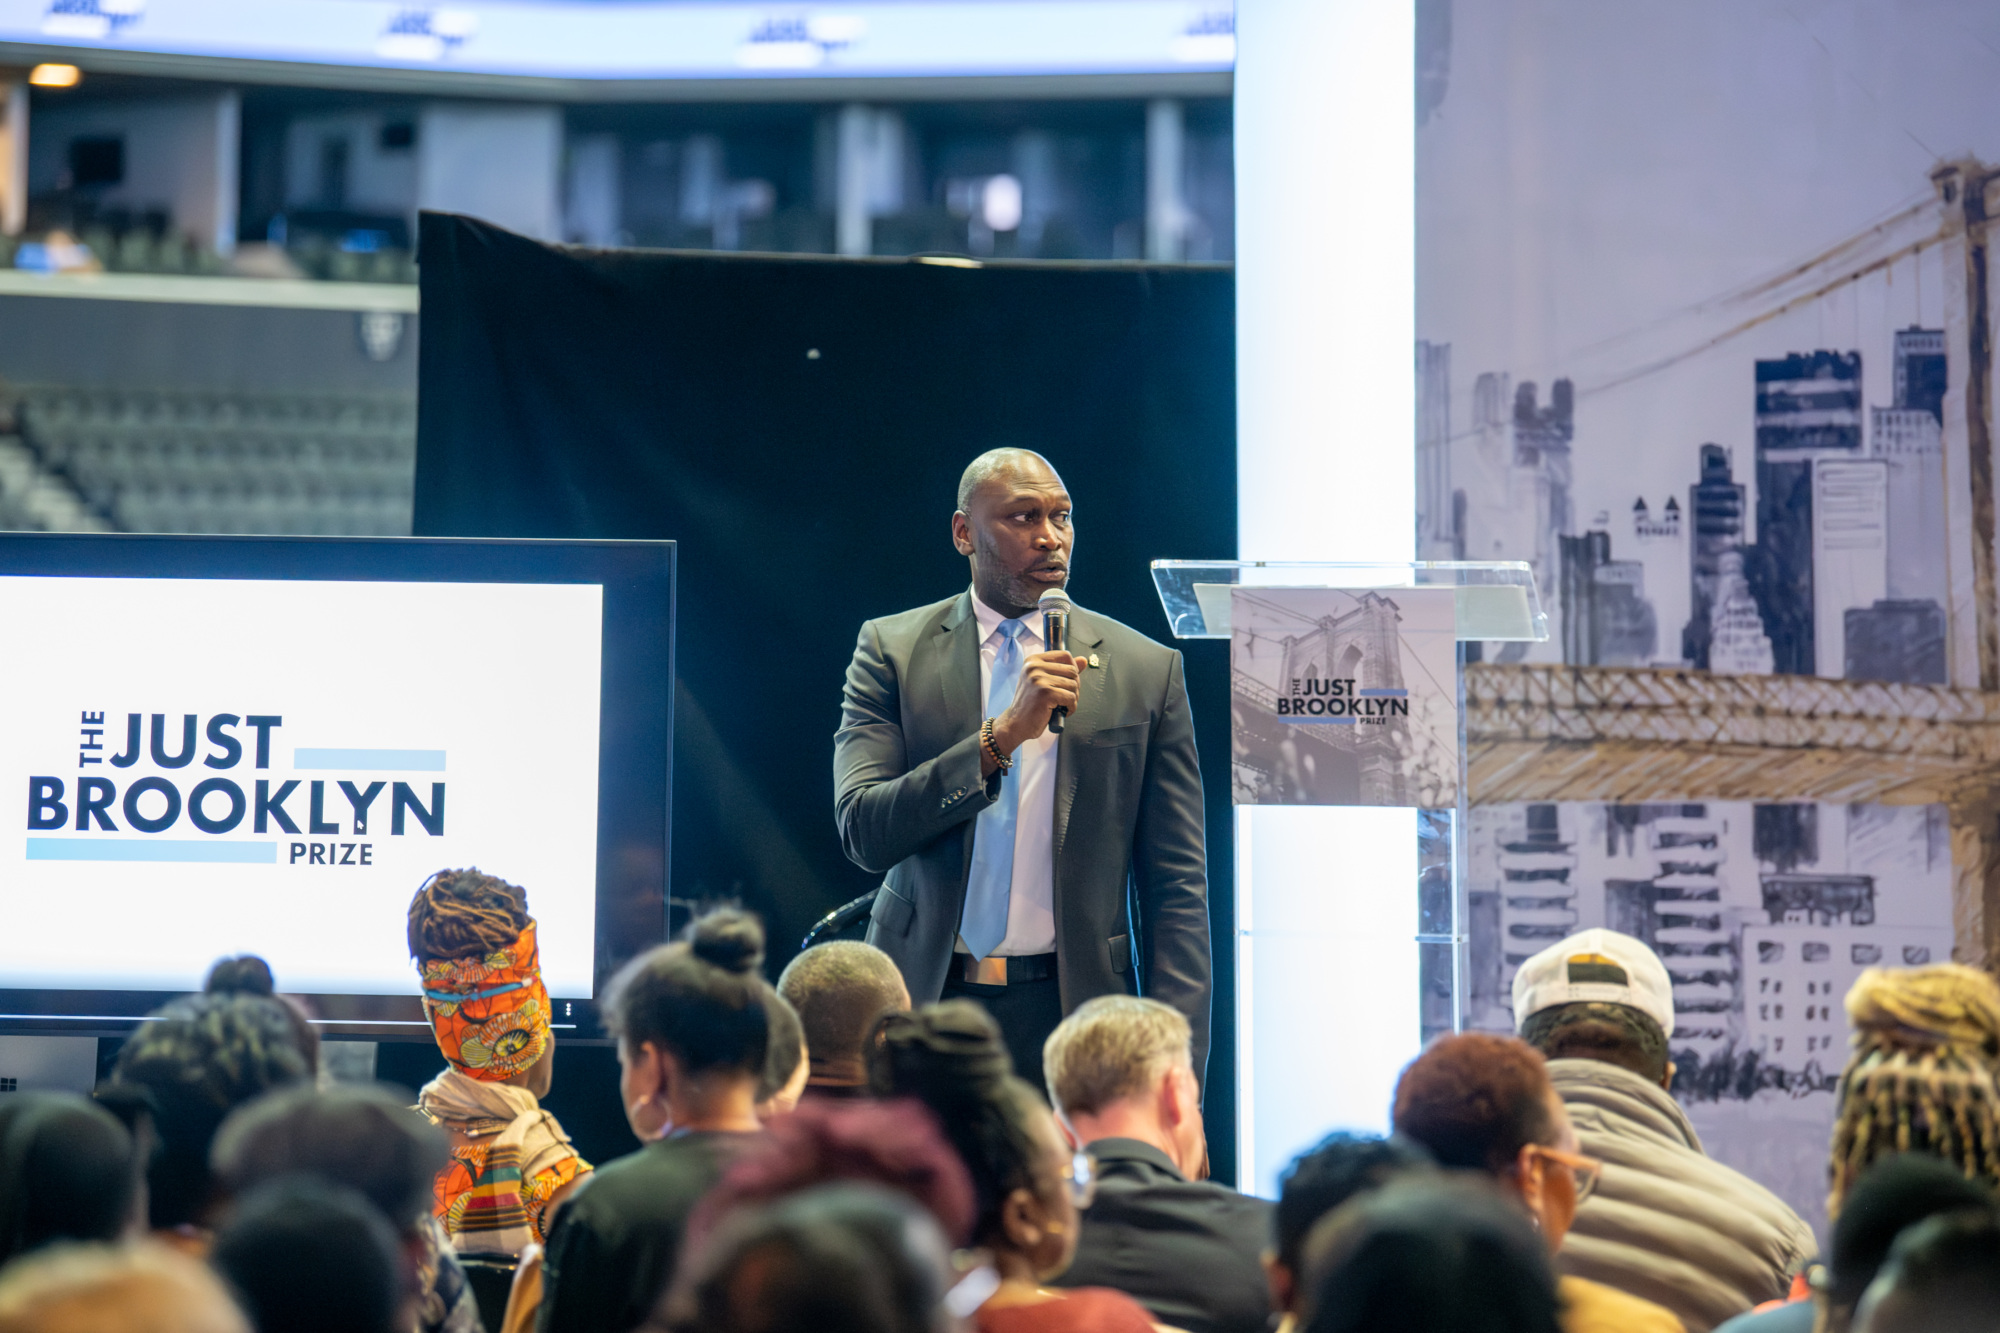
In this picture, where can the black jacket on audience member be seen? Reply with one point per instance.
(616, 1241)
(1187, 1250)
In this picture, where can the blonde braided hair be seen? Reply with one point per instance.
(1924, 1073)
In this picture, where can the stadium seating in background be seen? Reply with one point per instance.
(216, 462)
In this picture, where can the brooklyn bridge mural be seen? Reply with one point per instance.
(1705, 337)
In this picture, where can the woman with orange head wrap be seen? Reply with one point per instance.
(475, 948)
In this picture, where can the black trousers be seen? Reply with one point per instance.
(1027, 1013)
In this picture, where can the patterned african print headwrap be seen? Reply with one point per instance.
(490, 1012)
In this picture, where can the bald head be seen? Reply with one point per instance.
(1005, 464)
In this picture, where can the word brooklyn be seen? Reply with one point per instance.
(216, 805)
(1315, 696)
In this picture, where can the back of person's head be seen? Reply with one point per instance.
(1474, 1100)
(784, 1048)
(197, 1059)
(1598, 995)
(699, 998)
(464, 913)
(1892, 1195)
(114, 1289)
(1615, 1034)
(1922, 1073)
(305, 1256)
(894, 1144)
(66, 1172)
(950, 1057)
(1111, 1048)
(843, 1258)
(840, 990)
(247, 974)
(1943, 1276)
(358, 1137)
(1429, 1256)
(1338, 1168)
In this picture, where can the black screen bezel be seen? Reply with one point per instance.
(635, 726)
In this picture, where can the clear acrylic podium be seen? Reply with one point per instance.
(1281, 1109)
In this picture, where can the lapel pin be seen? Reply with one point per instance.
(1094, 661)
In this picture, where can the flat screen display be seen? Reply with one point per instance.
(220, 745)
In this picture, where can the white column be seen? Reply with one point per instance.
(13, 158)
(499, 163)
(593, 210)
(226, 197)
(1326, 897)
(1166, 207)
(854, 222)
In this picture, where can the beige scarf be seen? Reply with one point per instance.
(494, 1219)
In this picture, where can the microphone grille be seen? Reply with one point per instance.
(1054, 599)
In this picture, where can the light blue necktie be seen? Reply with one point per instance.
(989, 889)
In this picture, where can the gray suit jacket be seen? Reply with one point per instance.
(1131, 878)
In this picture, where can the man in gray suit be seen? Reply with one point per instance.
(1025, 870)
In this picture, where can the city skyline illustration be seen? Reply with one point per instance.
(1700, 295)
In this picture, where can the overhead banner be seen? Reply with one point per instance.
(1344, 696)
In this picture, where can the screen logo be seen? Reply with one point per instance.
(188, 792)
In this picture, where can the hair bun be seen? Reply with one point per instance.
(245, 975)
(729, 938)
(942, 1053)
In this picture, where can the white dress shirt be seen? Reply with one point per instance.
(1031, 908)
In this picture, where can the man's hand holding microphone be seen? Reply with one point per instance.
(1048, 689)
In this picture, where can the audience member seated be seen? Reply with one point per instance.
(1665, 1222)
(247, 974)
(1481, 1102)
(307, 1257)
(143, 1288)
(843, 1258)
(67, 1173)
(1921, 1074)
(1892, 1195)
(786, 1066)
(841, 989)
(1120, 1070)
(365, 1139)
(1027, 1183)
(1943, 1276)
(194, 1062)
(512, 1164)
(1429, 1256)
(692, 1029)
(895, 1145)
(1338, 1168)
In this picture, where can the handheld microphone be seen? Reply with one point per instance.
(1055, 606)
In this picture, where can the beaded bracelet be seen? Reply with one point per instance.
(992, 747)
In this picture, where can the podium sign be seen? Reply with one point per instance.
(1351, 912)
(1344, 696)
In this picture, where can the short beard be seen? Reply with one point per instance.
(1013, 588)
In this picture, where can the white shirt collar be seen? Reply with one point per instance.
(989, 624)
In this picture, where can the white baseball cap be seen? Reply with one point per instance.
(1595, 966)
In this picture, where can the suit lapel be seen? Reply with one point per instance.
(959, 663)
(1084, 637)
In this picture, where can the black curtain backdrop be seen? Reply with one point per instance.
(798, 425)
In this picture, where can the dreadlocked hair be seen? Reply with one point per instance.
(464, 913)
(1924, 1075)
(950, 1057)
